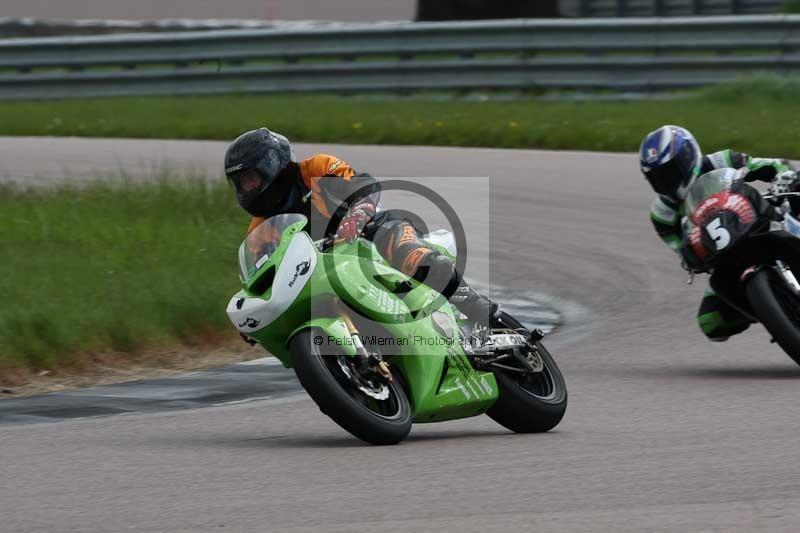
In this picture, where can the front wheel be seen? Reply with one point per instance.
(374, 410)
(533, 402)
(778, 308)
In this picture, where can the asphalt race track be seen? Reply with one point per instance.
(664, 430)
(258, 379)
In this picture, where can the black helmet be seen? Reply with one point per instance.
(254, 163)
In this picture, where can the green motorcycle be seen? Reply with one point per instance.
(378, 350)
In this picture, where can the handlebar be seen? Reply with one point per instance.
(774, 198)
(326, 242)
(330, 240)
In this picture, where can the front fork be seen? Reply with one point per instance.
(788, 276)
(779, 267)
(340, 332)
(373, 360)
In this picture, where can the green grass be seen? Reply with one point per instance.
(761, 116)
(791, 6)
(118, 267)
(113, 267)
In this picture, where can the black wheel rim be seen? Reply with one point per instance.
(390, 408)
(539, 384)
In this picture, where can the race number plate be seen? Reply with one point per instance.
(506, 340)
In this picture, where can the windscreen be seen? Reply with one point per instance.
(706, 185)
(262, 242)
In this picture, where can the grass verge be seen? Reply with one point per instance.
(759, 116)
(114, 268)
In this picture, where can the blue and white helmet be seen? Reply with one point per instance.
(670, 159)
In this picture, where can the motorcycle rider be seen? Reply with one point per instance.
(671, 160)
(269, 180)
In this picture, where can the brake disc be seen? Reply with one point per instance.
(379, 391)
(535, 360)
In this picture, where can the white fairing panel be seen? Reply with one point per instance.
(443, 238)
(293, 274)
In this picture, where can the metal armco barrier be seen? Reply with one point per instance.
(666, 8)
(641, 54)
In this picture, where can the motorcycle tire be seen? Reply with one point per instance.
(534, 403)
(337, 396)
(772, 305)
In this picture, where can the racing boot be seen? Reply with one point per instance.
(402, 245)
(483, 310)
(477, 307)
(440, 273)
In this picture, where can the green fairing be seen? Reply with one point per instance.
(441, 382)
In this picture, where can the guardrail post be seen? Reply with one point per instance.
(658, 8)
(585, 8)
(622, 8)
(736, 6)
(697, 7)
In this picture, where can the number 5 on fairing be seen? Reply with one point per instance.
(721, 236)
(750, 249)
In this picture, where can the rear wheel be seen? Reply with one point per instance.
(369, 407)
(778, 308)
(533, 402)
